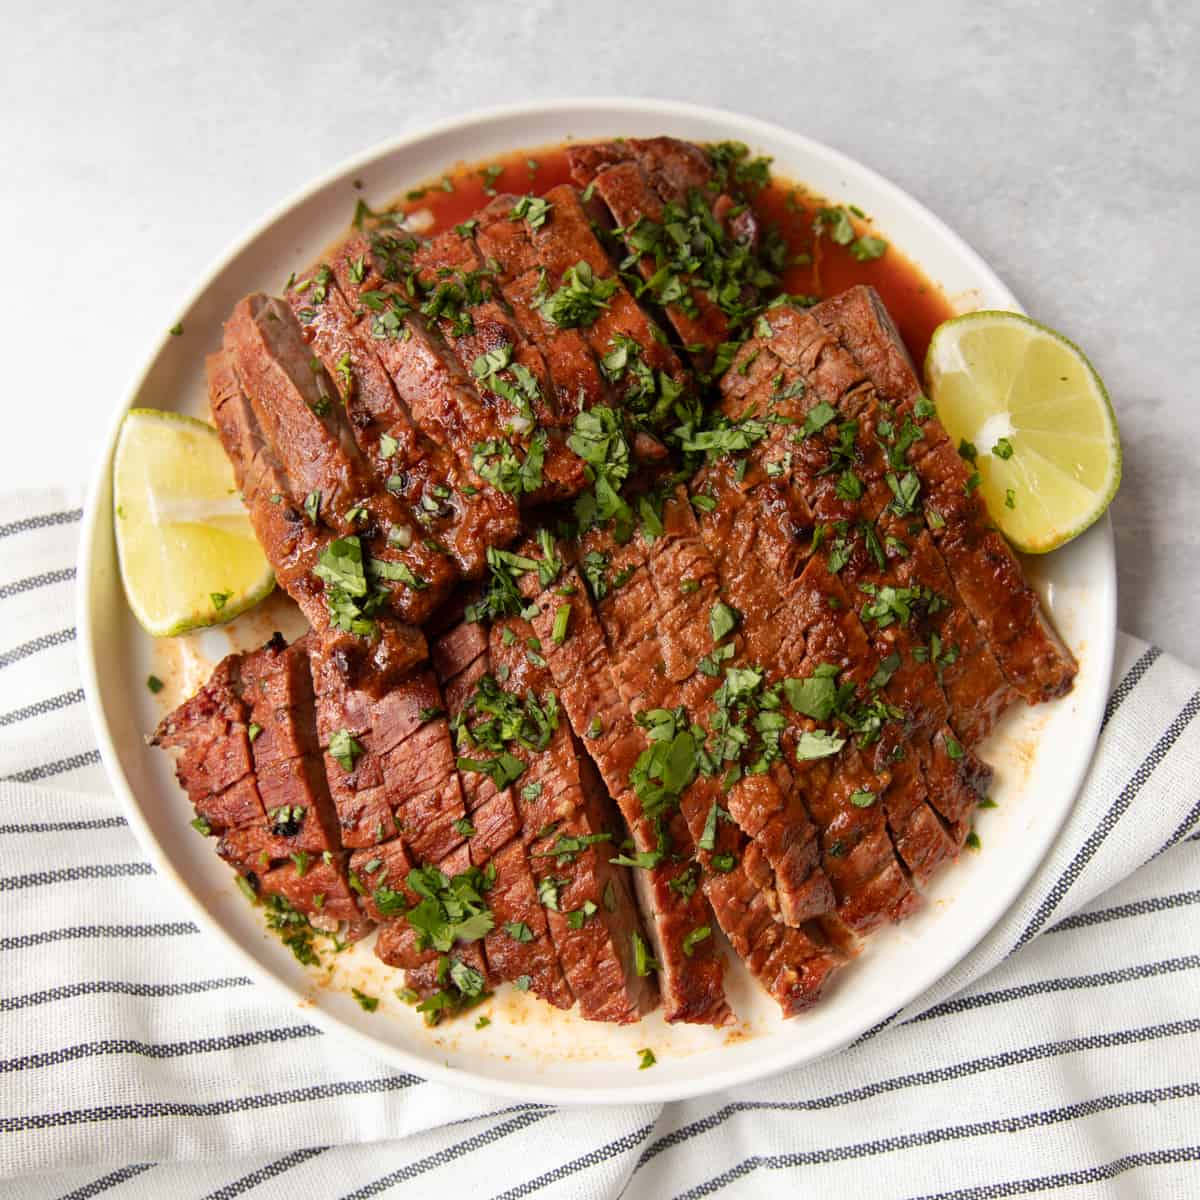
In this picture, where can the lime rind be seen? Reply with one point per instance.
(990, 369)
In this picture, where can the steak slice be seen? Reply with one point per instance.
(582, 668)
(768, 807)
(251, 728)
(508, 368)
(425, 373)
(567, 824)
(792, 962)
(411, 735)
(505, 243)
(439, 521)
(300, 415)
(294, 546)
(561, 244)
(400, 806)
(845, 474)
(690, 232)
(985, 571)
(432, 974)
(214, 765)
(607, 351)
(520, 946)
(345, 723)
(617, 174)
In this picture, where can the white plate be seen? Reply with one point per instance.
(529, 1051)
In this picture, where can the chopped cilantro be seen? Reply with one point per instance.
(344, 749)
(643, 961)
(817, 744)
(580, 299)
(700, 934)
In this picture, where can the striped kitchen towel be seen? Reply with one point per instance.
(1062, 1055)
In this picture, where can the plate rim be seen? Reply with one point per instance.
(643, 1089)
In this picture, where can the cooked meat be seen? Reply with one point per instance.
(850, 475)
(423, 475)
(345, 725)
(425, 373)
(768, 808)
(301, 416)
(792, 962)
(250, 761)
(756, 715)
(520, 945)
(505, 241)
(987, 575)
(695, 245)
(214, 764)
(641, 214)
(412, 738)
(571, 832)
(509, 370)
(294, 546)
(582, 667)
(561, 245)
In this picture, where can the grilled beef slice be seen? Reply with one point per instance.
(617, 173)
(398, 801)
(857, 502)
(670, 593)
(210, 732)
(696, 245)
(504, 241)
(294, 545)
(792, 962)
(424, 371)
(300, 413)
(614, 352)
(985, 572)
(423, 474)
(570, 830)
(520, 944)
(509, 370)
(674, 904)
(254, 721)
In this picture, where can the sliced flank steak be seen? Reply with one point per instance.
(562, 287)
(667, 875)
(502, 233)
(842, 455)
(792, 962)
(447, 508)
(491, 727)
(985, 572)
(300, 413)
(371, 273)
(686, 225)
(509, 370)
(250, 761)
(386, 649)
(571, 833)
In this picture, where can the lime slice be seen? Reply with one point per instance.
(188, 555)
(1045, 436)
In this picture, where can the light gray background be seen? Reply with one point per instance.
(1061, 140)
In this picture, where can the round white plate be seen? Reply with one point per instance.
(529, 1051)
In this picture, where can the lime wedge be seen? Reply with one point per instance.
(188, 554)
(1044, 434)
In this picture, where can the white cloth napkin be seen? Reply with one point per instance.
(1061, 1055)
